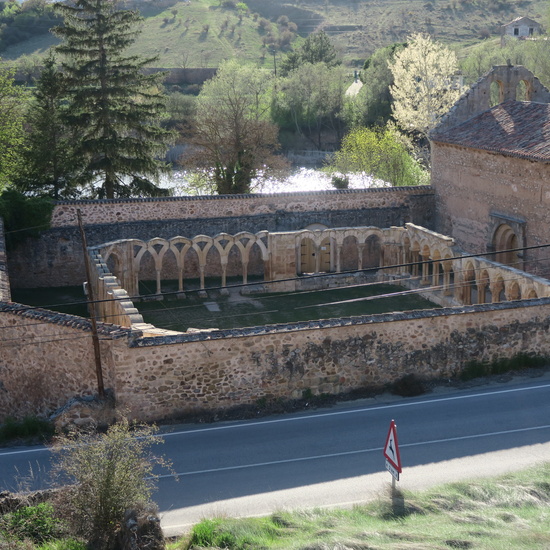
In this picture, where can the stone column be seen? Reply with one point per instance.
(361, 249)
(425, 270)
(338, 258)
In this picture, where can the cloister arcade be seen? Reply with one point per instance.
(434, 261)
(313, 251)
(414, 256)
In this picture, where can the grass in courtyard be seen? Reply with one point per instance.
(492, 514)
(237, 311)
(67, 299)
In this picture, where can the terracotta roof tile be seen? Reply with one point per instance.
(514, 128)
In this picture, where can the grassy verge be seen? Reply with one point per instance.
(512, 511)
(516, 363)
(28, 430)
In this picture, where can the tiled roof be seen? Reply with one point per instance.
(514, 128)
(518, 19)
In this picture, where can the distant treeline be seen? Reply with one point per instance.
(19, 22)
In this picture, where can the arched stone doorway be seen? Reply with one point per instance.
(504, 242)
(315, 259)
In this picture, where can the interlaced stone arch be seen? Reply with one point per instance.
(480, 280)
(412, 253)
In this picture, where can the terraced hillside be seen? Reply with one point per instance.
(201, 33)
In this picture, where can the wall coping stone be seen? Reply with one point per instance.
(214, 334)
(64, 319)
(417, 189)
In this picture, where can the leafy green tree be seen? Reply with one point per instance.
(49, 168)
(113, 106)
(374, 98)
(20, 21)
(317, 48)
(13, 99)
(311, 100)
(23, 216)
(379, 153)
(232, 140)
(112, 473)
(424, 87)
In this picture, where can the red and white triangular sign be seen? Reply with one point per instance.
(391, 448)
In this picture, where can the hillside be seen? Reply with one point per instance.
(201, 33)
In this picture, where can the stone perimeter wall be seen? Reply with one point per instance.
(159, 377)
(5, 294)
(222, 206)
(46, 358)
(55, 259)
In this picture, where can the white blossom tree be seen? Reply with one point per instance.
(425, 84)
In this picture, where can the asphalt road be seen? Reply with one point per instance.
(334, 456)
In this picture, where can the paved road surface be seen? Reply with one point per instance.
(334, 456)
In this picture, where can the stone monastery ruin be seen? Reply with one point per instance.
(475, 242)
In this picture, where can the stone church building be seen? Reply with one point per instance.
(491, 169)
(489, 196)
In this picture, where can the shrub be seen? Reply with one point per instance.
(37, 523)
(112, 472)
(339, 182)
(409, 386)
(29, 427)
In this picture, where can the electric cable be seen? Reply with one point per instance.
(411, 291)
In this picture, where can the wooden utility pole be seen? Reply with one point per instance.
(91, 308)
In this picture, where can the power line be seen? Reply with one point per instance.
(409, 264)
(18, 342)
(313, 276)
(418, 263)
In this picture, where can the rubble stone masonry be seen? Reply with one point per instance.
(55, 259)
(477, 190)
(223, 206)
(167, 376)
(4, 279)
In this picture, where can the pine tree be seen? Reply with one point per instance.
(113, 105)
(12, 103)
(49, 167)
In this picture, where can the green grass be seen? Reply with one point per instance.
(29, 428)
(510, 512)
(66, 299)
(521, 361)
(176, 34)
(236, 311)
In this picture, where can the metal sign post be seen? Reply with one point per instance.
(393, 458)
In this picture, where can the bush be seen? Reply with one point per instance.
(519, 362)
(409, 386)
(339, 182)
(37, 523)
(29, 427)
(112, 472)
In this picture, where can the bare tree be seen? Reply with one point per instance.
(232, 139)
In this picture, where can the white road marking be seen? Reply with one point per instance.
(317, 415)
(347, 453)
(353, 411)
